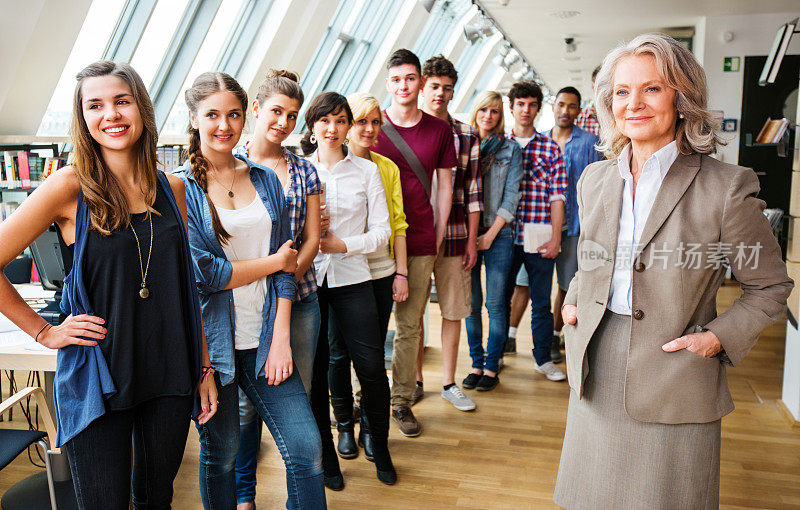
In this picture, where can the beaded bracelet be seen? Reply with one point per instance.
(206, 371)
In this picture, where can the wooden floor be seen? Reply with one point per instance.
(505, 454)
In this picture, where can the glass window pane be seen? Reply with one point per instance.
(211, 47)
(89, 46)
(156, 37)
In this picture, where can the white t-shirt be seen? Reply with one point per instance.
(523, 141)
(250, 228)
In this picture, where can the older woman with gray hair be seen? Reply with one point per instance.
(661, 222)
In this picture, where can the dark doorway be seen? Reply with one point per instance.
(758, 104)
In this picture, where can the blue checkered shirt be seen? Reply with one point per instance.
(544, 180)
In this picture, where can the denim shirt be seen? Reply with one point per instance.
(82, 379)
(213, 270)
(501, 184)
(579, 151)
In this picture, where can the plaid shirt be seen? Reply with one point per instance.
(466, 188)
(544, 180)
(304, 182)
(587, 120)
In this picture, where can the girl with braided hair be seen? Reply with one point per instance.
(244, 265)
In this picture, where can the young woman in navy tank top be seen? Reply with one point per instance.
(131, 351)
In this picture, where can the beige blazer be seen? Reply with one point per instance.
(701, 202)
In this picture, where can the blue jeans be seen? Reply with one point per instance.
(540, 280)
(286, 411)
(303, 338)
(497, 259)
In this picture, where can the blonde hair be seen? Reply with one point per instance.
(484, 99)
(695, 132)
(362, 105)
(102, 192)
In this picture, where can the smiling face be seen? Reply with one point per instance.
(331, 130)
(403, 84)
(565, 109)
(487, 118)
(366, 129)
(437, 93)
(642, 103)
(276, 118)
(220, 121)
(525, 110)
(110, 112)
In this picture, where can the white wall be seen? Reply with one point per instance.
(752, 35)
(36, 37)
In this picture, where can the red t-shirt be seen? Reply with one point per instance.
(431, 139)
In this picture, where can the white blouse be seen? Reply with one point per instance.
(633, 216)
(250, 228)
(359, 216)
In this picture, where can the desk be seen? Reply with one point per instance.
(18, 351)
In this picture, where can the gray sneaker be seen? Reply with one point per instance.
(550, 371)
(456, 397)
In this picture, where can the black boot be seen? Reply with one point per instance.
(365, 440)
(343, 410)
(383, 462)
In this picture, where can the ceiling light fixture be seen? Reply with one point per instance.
(479, 30)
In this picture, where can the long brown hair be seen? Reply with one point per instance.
(203, 86)
(102, 192)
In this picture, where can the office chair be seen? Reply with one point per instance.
(28, 493)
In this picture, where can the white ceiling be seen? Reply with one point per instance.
(536, 30)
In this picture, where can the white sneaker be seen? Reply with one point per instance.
(550, 371)
(456, 397)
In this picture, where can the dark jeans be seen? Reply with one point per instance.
(152, 435)
(285, 410)
(339, 357)
(354, 311)
(540, 281)
(498, 259)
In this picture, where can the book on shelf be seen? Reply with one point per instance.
(169, 157)
(9, 170)
(7, 208)
(773, 131)
(25, 170)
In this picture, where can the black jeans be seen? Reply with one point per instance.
(153, 434)
(353, 309)
(339, 357)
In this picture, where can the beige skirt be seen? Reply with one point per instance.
(612, 461)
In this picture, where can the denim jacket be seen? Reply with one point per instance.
(501, 184)
(213, 270)
(83, 380)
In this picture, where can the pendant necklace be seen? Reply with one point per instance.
(233, 182)
(144, 292)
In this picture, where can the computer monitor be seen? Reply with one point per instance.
(47, 256)
(779, 46)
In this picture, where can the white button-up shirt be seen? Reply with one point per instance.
(633, 217)
(359, 216)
